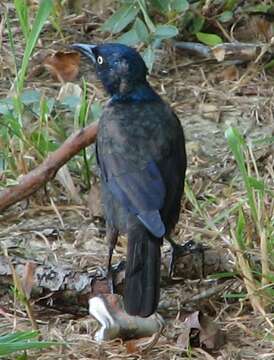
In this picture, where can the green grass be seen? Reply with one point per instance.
(22, 341)
(31, 35)
(249, 221)
(31, 124)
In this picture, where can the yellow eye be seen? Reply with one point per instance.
(100, 60)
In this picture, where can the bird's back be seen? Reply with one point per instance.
(131, 135)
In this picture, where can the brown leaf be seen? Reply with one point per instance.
(255, 28)
(210, 111)
(219, 53)
(184, 337)
(28, 278)
(189, 330)
(211, 337)
(264, 28)
(132, 346)
(36, 71)
(64, 177)
(230, 73)
(63, 66)
(94, 200)
(201, 329)
(192, 320)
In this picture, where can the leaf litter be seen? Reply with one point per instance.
(218, 327)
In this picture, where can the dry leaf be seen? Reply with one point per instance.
(219, 53)
(208, 335)
(264, 28)
(36, 71)
(28, 278)
(132, 347)
(256, 28)
(63, 66)
(230, 73)
(69, 89)
(184, 337)
(64, 177)
(211, 337)
(209, 111)
(94, 200)
(192, 320)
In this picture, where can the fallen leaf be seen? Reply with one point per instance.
(132, 347)
(230, 73)
(211, 337)
(184, 337)
(219, 53)
(210, 111)
(69, 90)
(256, 28)
(36, 71)
(192, 320)
(64, 177)
(63, 66)
(28, 278)
(200, 329)
(264, 28)
(94, 200)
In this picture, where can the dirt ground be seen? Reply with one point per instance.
(65, 233)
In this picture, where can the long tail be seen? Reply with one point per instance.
(142, 281)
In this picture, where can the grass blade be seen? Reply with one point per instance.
(43, 13)
(236, 144)
(22, 13)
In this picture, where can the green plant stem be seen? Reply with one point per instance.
(148, 21)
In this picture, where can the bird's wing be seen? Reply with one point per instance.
(140, 190)
(134, 142)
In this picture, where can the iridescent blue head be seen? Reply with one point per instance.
(120, 68)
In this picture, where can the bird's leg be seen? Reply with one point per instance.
(112, 237)
(174, 250)
(178, 250)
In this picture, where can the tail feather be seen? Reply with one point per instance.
(142, 281)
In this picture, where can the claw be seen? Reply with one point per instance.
(189, 247)
(110, 273)
(110, 282)
(112, 236)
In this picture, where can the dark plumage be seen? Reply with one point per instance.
(141, 153)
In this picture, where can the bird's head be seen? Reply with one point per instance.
(120, 68)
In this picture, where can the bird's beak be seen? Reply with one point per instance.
(85, 49)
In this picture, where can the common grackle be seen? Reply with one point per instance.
(141, 153)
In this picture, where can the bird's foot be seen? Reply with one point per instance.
(110, 281)
(109, 273)
(180, 250)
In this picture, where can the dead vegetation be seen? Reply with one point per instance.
(51, 227)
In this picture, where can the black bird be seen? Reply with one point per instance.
(141, 153)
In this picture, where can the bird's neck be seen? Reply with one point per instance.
(140, 93)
